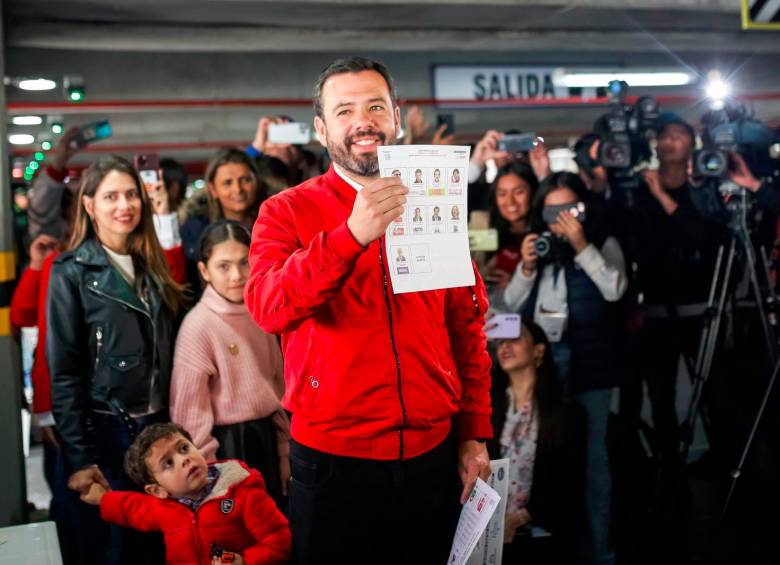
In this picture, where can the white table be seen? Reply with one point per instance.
(31, 544)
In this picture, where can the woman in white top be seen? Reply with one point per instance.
(569, 286)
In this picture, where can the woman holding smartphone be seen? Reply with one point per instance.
(111, 324)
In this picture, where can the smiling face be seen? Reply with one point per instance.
(177, 466)
(227, 270)
(520, 354)
(358, 117)
(236, 189)
(513, 198)
(115, 208)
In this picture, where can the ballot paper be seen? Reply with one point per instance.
(428, 246)
(474, 518)
(490, 547)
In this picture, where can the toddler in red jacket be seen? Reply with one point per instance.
(218, 513)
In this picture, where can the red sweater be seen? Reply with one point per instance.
(238, 516)
(28, 308)
(368, 373)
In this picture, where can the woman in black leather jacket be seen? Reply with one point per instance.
(111, 312)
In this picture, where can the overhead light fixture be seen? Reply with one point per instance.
(21, 139)
(73, 88)
(36, 84)
(27, 120)
(596, 80)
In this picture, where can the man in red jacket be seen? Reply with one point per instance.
(389, 392)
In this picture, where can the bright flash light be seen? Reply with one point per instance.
(717, 89)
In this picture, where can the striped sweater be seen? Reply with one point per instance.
(226, 370)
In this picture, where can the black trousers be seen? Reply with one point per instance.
(348, 510)
(253, 442)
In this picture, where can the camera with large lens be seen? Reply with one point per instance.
(728, 128)
(543, 245)
(625, 129)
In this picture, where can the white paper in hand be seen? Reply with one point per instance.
(474, 518)
(490, 547)
(428, 246)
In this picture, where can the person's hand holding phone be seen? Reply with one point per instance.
(65, 149)
(440, 139)
(487, 148)
(569, 227)
(540, 161)
(41, 247)
(159, 197)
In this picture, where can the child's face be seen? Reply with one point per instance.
(177, 466)
(227, 270)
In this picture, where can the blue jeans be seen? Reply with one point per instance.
(598, 482)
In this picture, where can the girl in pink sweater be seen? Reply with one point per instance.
(227, 373)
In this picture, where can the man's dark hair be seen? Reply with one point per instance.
(352, 65)
(135, 458)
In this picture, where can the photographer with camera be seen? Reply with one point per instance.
(674, 245)
(568, 281)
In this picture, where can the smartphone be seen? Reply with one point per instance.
(296, 133)
(148, 167)
(518, 143)
(503, 326)
(91, 132)
(447, 120)
(576, 209)
(483, 240)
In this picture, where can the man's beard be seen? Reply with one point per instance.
(364, 165)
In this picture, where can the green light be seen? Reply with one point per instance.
(34, 165)
(76, 95)
(46, 145)
(28, 176)
(57, 127)
(39, 156)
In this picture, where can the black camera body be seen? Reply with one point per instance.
(624, 130)
(544, 244)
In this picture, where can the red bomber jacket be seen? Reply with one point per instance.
(238, 515)
(368, 373)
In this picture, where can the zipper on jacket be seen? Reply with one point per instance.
(395, 352)
(154, 333)
(99, 340)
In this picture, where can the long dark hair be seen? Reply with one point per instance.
(547, 395)
(595, 225)
(142, 244)
(523, 171)
(225, 156)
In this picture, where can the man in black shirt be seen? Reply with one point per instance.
(675, 248)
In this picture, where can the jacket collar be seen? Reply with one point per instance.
(107, 279)
(342, 188)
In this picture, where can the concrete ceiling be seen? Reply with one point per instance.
(137, 51)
